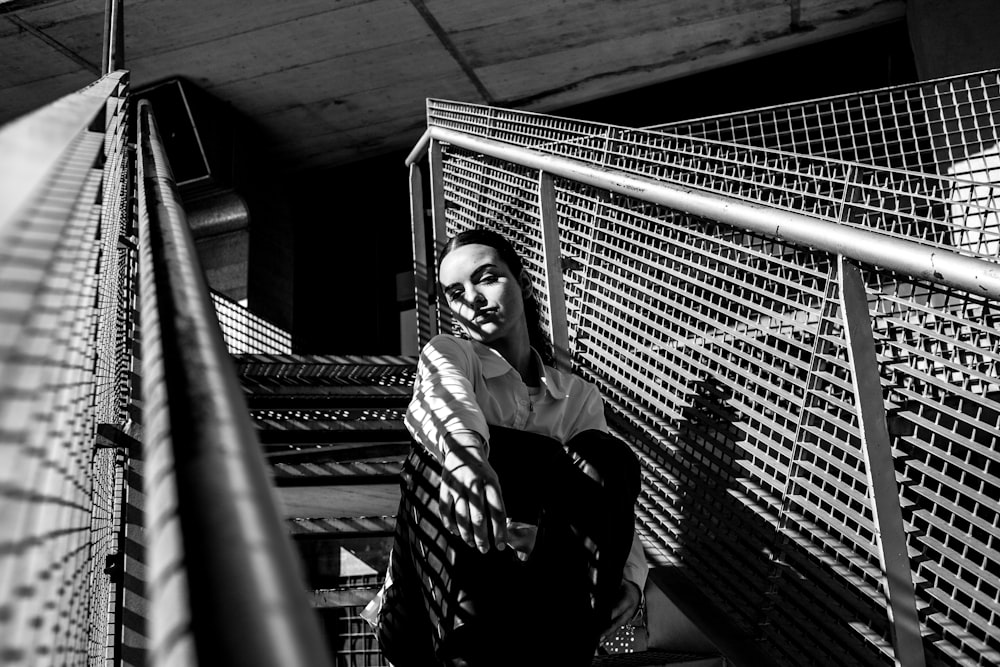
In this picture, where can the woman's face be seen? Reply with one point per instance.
(486, 298)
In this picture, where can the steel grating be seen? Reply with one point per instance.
(262, 371)
(722, 352)
(954, 211)
(247, 333)
(63, 360)
(931, 127)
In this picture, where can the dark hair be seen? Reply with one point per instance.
(536, 336)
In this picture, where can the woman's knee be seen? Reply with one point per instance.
(613, 461)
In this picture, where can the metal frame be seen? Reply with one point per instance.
(889, 530)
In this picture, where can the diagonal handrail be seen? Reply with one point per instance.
(224, 585)
(930, 263)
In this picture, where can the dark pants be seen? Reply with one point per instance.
(452, 605)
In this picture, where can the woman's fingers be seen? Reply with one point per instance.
(496, 514)
(480, 525)
(471, 505)
(462, 518)
(446, 507)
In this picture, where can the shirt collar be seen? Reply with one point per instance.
(494, 365)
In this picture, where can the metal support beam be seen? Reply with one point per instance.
(113, 55)
(553, 270)
(440, 231)
(876, 448)
(422, 275)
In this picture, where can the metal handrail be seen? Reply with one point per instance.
(974, 275)
(419, 148)
(225, 587)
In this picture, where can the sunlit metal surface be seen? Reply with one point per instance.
(722, 353)
(63, 359)
(246, 333)
(224, 583)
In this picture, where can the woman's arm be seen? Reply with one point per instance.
(470, 499)
(444, 399)
(444, 417)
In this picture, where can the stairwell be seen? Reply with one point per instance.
(333, 436)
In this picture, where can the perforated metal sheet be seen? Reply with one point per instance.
(722, 355)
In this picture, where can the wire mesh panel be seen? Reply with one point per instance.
(246, 333)
(106, 516)
(722, 354)
(930, 126)
(60, 496)
(942, 364)
(354, 644)
(937, 210)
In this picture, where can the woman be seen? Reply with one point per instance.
(516, 518)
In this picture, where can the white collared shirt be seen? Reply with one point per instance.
(463, 386)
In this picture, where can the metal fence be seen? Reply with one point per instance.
(705, 294)
(944, 126)
(247, 333)
(64, 372)
(70, 406)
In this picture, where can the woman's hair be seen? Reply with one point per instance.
(536, 335)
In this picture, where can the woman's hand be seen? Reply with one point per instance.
(629, 598)
(471, 504)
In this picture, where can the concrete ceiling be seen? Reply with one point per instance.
(332, 81)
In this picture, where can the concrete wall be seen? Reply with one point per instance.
(954, 36)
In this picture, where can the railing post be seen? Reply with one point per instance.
(883, 493)
(553, 270)
(423, 280)
(113, 56)
(435, 157)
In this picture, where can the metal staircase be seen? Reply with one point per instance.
(803, 349)
(333, 437)
(332, 433)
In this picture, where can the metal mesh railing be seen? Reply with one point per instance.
(953, 211)
(932, 127)
(246, 333)
(63, 209)
(722, 352)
